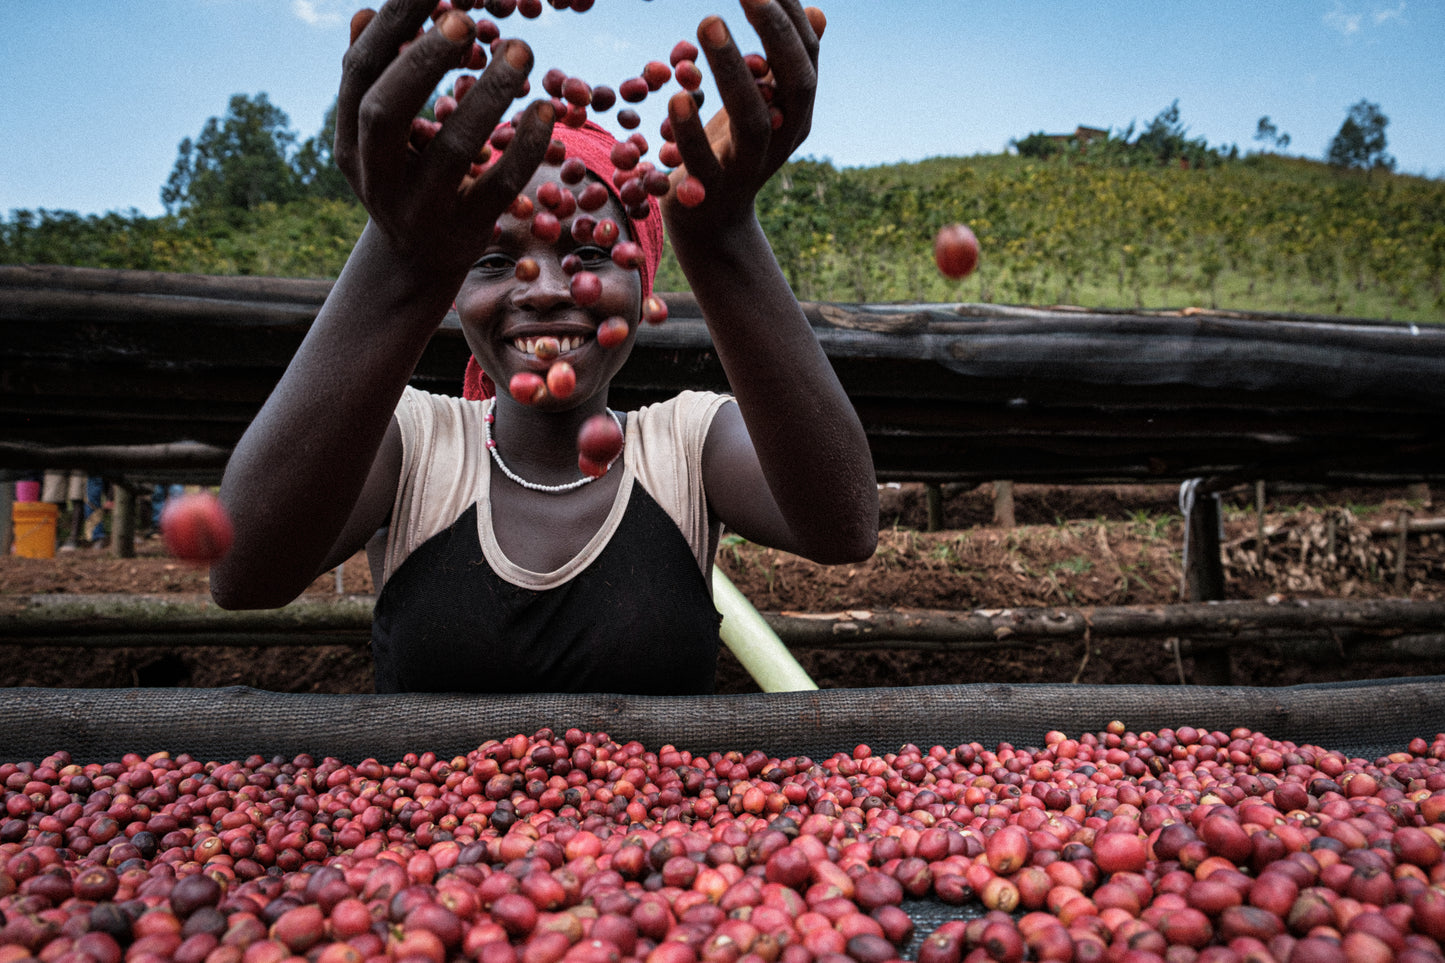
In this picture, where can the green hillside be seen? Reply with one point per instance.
(1263, 233)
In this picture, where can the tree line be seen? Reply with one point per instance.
(1358, 145)
(1155, 218)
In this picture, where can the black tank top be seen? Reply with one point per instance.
(638, 620)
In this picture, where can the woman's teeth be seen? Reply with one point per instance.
(548, 347)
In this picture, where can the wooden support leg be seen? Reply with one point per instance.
(1402, 521)
(1204, 580)
(7, 499)
(122, 521)
(1259, 539)
(1003, 504)
(934, 491)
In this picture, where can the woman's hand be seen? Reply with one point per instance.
(428, 205)
(752, 136)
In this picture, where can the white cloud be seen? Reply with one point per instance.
(318, 13)
(1343, 21)
(1348, 22)
(1385, 16)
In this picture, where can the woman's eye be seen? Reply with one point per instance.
(592, 254)
(494, 263)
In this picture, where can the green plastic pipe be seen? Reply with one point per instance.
(749, 637)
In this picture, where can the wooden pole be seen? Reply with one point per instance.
(115, 458)
(934, 491)
(1204, 579)
(1003, 504)
(1402, 521)
(122, 521)
(7, 499)
(1323, 629)
(1260, 543)
(1204, 572)
(159, 615)
(1389, 526)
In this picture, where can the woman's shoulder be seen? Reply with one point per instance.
(695, 408)
(412, 395)
(422, 412)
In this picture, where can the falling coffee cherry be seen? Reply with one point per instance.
(196, 528)
(574, 169)
(613, 332)
(684, 50)
(634, 90)
(545, 227)
(582, 227)
(655, 73)
(586, 288)
(625, 155)
(599, 442)
(955, 250)
(561, 380)
(690, 192)
(688, 75)
(527, 387)
(593, 196)
(577, 92)
(606, 232)
(603, 98)
(627, 255)
(654, 310)
(549, 195)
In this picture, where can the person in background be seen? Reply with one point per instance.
(96, 504)
(68, 490)
(159, 495)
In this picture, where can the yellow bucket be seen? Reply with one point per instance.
(34, 524)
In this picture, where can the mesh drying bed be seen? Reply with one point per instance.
(1365, 719)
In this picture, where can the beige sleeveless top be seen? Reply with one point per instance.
(446, 468)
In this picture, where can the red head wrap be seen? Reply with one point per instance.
(593, 146)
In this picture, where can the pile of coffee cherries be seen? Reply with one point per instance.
(1179, 845)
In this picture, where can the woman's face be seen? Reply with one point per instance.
(503, 316)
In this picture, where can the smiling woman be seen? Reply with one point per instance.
(554, 572)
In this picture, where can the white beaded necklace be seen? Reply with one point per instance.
(487, 421)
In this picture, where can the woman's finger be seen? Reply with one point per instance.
(359, 20)
(699, 158)
(485, 198)
(386, 112)
(817, 20)
(465, 132)
(375, 38)
(791, 47)
(788, 20)
(747, 112)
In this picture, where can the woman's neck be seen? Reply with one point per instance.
(539, 445)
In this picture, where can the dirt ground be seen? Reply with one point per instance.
(1073, 546)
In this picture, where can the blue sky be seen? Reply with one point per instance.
(95, 97)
